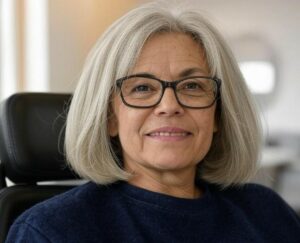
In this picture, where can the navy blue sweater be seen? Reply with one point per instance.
(124, 213)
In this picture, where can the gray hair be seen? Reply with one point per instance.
(233, 156)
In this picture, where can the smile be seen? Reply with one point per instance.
(168, 134)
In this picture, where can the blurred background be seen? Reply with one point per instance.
(43, 45)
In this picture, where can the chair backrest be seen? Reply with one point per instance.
(31, 151)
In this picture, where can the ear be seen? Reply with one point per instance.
(113, 129)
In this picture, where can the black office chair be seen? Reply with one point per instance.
(31, 151)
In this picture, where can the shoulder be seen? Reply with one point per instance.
(258, 201)
(252, 193)
(53, 217)
(259, 210)
(247, 189)
(63, 203)
(248, 194)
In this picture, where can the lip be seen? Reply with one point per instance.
(169, 134)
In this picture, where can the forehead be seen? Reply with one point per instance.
(171, 52)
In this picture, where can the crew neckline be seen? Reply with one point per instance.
(166, 202)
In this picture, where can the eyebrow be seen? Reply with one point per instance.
(191, 71)
(145, 74)
(182, 74)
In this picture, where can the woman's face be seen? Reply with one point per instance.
(167, 137)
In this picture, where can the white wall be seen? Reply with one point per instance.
(74, 26)
(278, 23)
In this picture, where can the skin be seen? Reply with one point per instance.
(165, 164)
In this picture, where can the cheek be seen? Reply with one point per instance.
(206, 127)
(131, 139)
(205, 120)
(130, 126)
(125, 120)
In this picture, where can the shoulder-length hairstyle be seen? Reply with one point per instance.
(232, 158)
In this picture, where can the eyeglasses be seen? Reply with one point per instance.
(145, 91)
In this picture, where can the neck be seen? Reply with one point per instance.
(176, 184)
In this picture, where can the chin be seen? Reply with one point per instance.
(171, 165)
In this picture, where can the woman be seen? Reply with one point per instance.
(163, 126)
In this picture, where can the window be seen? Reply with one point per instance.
(23, 46)
(8, 48)
(259, 76)
(257, 61)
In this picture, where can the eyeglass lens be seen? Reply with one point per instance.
(191, 92)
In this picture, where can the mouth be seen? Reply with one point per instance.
(169, 134)
(166, 133)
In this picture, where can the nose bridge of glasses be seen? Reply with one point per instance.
(169, 84)
(172, 85)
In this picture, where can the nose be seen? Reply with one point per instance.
(169, 105)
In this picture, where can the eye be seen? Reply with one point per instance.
(192, 86)
(141, 88)
(195, 87)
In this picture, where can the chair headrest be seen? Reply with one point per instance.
(32, 137)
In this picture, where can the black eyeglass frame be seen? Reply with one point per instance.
(169, 84)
